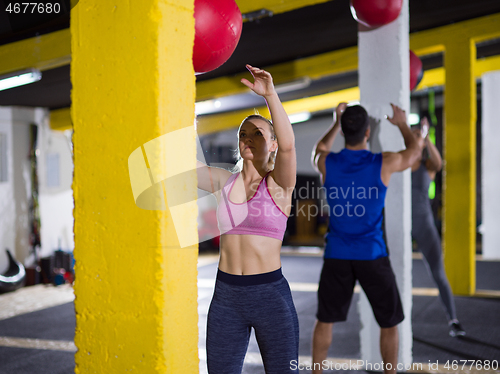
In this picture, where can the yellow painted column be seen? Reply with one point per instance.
(133, 81)
(459, 187)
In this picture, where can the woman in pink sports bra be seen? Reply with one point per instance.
(254, 205)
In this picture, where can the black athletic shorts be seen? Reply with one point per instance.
(336, 286)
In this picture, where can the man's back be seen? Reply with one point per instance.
(356, 195)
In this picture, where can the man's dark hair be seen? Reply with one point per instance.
(354, 123)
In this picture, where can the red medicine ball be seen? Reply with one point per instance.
(218, 25)
(416, 71)
(375, 13)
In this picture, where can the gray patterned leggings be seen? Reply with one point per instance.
(425, 233)
(261, 301)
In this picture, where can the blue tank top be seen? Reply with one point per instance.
(356, 198)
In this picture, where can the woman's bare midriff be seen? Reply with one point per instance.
(249, 254)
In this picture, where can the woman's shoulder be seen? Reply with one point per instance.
(228, 177)
(271, 183)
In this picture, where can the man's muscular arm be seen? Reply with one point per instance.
(393, 162)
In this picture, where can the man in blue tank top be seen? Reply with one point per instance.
(355, 182)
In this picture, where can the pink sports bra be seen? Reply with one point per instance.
(258, 216)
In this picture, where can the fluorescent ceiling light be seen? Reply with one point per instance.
(203, 107)
(414, 119)
(207, 107)
(299, 117)
(293, 86)
(19, 78)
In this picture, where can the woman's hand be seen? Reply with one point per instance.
(263, 82)
(424, 124)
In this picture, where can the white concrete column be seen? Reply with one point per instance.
(15, 185)
(55, 177)
(22, 118)
(384, 79)
(490, 133)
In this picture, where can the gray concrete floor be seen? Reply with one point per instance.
(41, 341)
(431, 341)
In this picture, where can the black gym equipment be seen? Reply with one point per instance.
(14, 277)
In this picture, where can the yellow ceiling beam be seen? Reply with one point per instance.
(485, 65)
(53, 50)
(341, 61)
(42, 52)
(478, 29)
(60, 119)
(436, 77)
(225, 121)
(275, 6)
(432, 78)
(315, 67)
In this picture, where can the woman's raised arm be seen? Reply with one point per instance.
(285, 168)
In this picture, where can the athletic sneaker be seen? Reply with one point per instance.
(456, 329)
